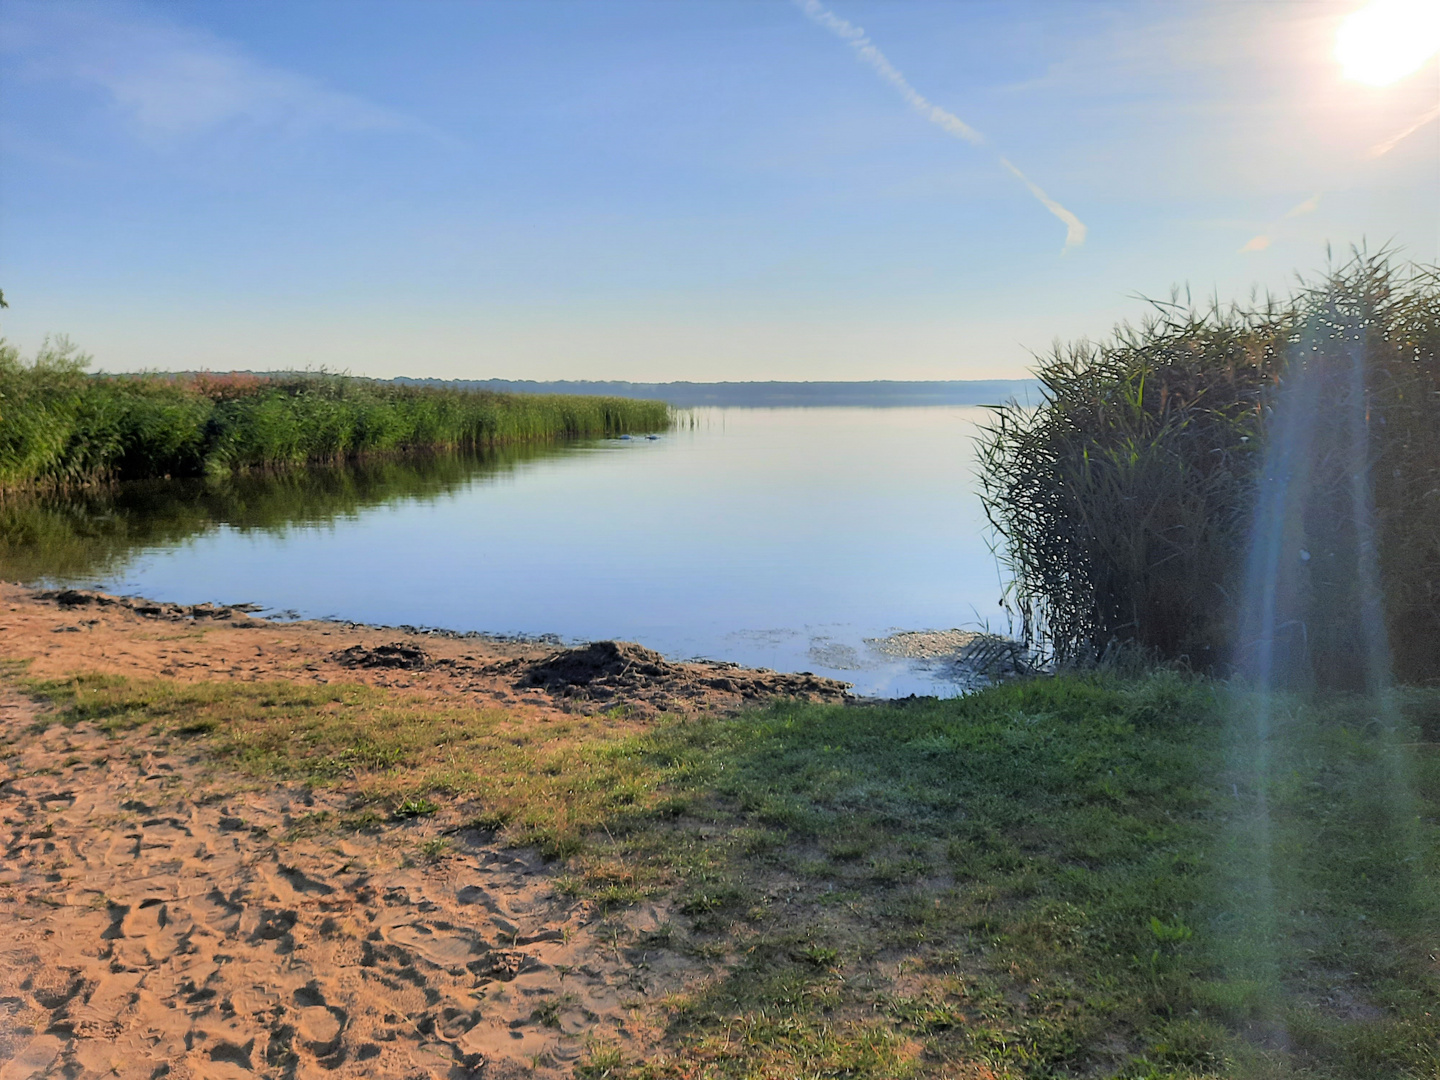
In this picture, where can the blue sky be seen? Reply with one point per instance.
(673, 190)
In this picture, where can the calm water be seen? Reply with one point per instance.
(774, 537)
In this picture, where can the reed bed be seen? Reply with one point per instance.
(1126, 502)
(60, 426)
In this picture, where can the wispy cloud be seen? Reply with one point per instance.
(947, 121)
(1309, 206)
(170, 81)
(1263, 240)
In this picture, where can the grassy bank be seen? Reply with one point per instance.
(1076, 876)
(60, 426)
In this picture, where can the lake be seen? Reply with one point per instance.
(780, 538)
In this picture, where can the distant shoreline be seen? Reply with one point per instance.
(876, 393)
(684, 395)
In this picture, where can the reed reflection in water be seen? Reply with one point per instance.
(781, 538)
(92, 535)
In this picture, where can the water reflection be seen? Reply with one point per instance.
(93, 535)
(782, 538)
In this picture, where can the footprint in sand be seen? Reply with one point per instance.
(176, 939)
(445, 948)
(319, 1025)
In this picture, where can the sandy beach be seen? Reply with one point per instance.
(162, 916)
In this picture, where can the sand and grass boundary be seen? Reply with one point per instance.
(1053, 877)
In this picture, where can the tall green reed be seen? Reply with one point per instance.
(1125, 502)
(60, 426)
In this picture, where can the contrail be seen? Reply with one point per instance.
(1389, 144)
(947, 121)
(1074, 228)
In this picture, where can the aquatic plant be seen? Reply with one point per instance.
(61, 426)
(1125, 503)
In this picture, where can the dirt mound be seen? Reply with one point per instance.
(396, 655)
(616, 663)
(603, 670)
(759, 683)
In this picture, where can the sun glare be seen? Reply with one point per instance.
(1388, 39)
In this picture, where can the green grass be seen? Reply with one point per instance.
(1065, 877)
(60, 426)
(548, 784)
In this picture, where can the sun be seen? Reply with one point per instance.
(1388, 39)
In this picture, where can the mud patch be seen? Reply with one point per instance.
(965, 656)
(70, 599)
(604, 670)
(615, 663)
(395, 655)
(836, 655)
